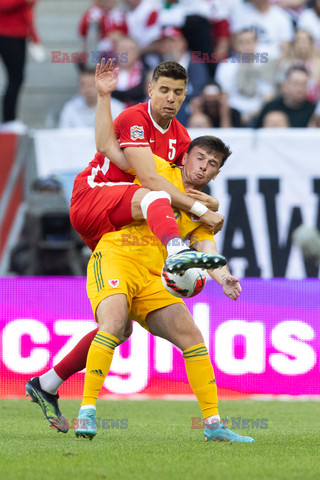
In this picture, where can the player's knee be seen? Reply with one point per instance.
(152, 197)
(128, 329)
(188, 337)
(112, 315)
(136, 200)
(194, 335)
(115, 325)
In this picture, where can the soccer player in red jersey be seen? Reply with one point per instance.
(104, 198)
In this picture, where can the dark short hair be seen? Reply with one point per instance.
(211, 144)
(85, 68)
(170, 69)
(248, 30)
(296, 68)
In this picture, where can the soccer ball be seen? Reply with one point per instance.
(186, 285)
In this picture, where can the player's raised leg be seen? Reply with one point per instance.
(185, 259)
(156, 208)
(175, 324)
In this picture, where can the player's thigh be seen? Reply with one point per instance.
(165, 315)
(109, 274)
(152, 296)
(91, 209)
(175, 324)
(112, 314)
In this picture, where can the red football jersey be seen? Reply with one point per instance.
(135, 127)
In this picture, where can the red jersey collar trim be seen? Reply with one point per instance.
(162, 130)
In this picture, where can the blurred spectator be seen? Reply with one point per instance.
(131, 79)
(303, 53)
(315, 121)
(293, 100)
(214, 103)
(80, 111)
(310, 20)
(275, 119)
(244, 77)
(100, 25)
(143, 21)
(192, 17)
(16, 27)
(271, 23)
(199, 120)
(220, 14)
(294, 8)
(173, 46)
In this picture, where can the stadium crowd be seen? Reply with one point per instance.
(237, 54)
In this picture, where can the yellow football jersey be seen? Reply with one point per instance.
(136, 241)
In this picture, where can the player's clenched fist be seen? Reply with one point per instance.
(213, 220)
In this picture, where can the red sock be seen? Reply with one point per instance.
(161, 220)
(76, 360)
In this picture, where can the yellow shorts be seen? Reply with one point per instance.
(109, 274)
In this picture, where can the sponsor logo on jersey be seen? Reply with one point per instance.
(136, 132)
(114, 282)
(194, 218)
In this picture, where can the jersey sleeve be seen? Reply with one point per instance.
(199, 234)
(132, 129)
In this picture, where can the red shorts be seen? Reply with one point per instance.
(91, 209)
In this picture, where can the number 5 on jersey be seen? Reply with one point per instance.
(172, 149)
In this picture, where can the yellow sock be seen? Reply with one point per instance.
(98, 365)
(201, 378)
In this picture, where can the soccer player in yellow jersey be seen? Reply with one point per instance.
(124, 281)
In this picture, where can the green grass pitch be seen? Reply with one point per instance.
(159, 443)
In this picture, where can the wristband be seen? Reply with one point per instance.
(198, 209)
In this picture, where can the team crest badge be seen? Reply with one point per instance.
(136, 132)
(114, 283)
(194, 218)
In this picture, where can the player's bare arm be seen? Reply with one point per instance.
(210, 202)
(230, 283)
(106, 78)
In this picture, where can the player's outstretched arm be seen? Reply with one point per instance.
(106, 78)
(230, 283)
